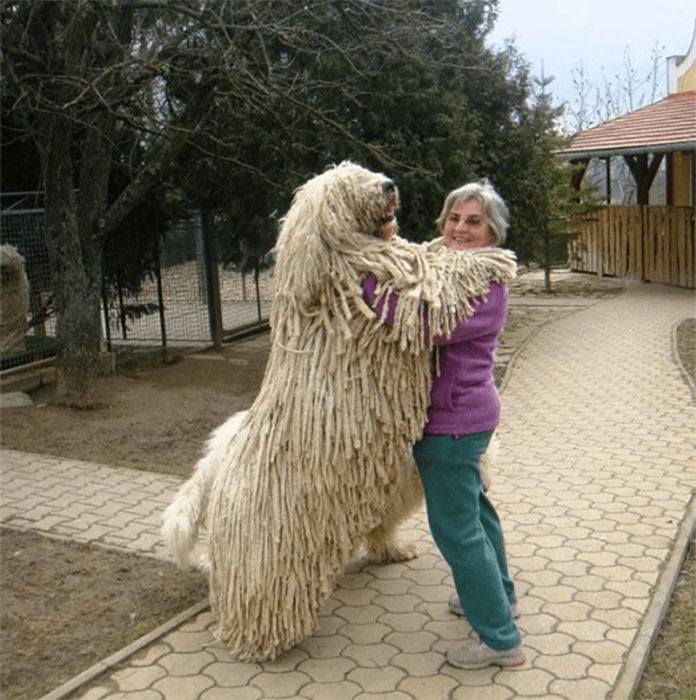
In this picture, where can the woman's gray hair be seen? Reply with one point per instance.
(494, 207)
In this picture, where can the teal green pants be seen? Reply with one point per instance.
(467, 531)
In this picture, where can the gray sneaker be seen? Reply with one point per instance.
(475, 654)
(456, 608)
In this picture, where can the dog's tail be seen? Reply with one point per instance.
(183, 517)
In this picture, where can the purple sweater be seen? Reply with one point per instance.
(463, 396)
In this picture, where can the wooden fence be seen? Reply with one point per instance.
(654, 244)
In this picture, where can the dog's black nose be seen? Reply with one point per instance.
(389, 187)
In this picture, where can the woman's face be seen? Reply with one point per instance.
(466, 226)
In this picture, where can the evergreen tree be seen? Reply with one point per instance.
(550, 203)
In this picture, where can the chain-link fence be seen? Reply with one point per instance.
(189, 300)
(21, 226)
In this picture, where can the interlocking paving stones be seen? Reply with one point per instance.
(593, 483)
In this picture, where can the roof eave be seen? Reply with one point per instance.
(627, 151)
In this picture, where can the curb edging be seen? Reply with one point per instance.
(121, 655)
(637, 658)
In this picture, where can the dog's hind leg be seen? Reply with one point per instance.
(382, 544)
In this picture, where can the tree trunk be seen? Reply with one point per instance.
(76, 269)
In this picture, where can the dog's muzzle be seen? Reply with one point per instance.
(389, 189)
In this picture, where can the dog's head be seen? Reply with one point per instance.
(11, 265)
(346, 199)
(363, 200)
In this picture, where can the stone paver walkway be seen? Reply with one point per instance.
(594, 484)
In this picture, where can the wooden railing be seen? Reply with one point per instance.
(654, 244)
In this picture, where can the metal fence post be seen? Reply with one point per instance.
(212, 278)
(160, 297)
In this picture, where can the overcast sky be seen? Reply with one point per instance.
(565, 34)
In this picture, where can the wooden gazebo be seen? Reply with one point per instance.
(652, 242)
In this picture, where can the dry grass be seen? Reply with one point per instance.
(670, 673)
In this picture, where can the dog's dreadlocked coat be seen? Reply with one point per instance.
(321, 459)
(14, 300)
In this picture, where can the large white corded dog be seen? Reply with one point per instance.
(290, 490)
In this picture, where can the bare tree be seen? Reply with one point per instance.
(611, 98)
(77, 76)
(87, 79)
(615, 95)
(120, 95)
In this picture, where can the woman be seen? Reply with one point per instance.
(464, 411)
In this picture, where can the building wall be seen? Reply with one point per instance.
(681, 76)
(681, 70)
(688, 81)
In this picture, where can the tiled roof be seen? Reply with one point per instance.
(667, 125)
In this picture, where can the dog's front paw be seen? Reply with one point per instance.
(391, 553)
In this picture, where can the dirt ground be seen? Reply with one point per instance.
(65, 606)
(153, 415)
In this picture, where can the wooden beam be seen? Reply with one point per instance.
(669, 171)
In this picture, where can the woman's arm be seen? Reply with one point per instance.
(369, 297)
(489, 314)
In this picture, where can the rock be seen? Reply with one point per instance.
(15, 399)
